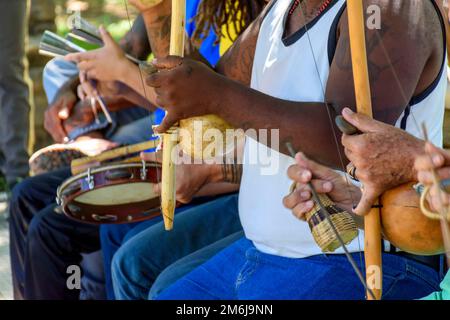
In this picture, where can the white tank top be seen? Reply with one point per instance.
(286, 69)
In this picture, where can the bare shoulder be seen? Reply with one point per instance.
(237, 62)
(406, 44)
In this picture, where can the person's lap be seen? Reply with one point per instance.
(142, 258)
(185, 265)
(242, 272)
(55, 243)
(113, 236)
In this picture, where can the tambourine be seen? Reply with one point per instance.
(112, 194)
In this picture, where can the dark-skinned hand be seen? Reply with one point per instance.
(383, 156)
(185, 88)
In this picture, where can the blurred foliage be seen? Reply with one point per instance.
(110, 13)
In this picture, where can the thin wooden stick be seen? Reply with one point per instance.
(168, 187)
(372, 223)
(112, 154)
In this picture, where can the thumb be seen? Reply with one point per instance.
(106, 37)
(166, 124)
(169, 62)
(63, 114)
(368, 199)
(362, 122)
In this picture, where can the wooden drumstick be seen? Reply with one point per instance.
(80, 164)
(170, 140)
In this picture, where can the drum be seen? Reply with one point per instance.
(118, 193)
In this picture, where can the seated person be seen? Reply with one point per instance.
(136, 283)
(36, 193)
(344, 193)
(37, 239)
(260, 84)
(70, 112)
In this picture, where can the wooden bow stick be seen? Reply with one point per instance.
(81, 164)
(372, 224)
(170, 139)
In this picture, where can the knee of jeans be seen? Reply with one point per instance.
(122, 266)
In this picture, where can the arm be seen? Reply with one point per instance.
(157, 19)
(307, 124)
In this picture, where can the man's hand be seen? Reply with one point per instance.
(382, 155)
(58, 111)
(144, 5)
(437, 160)
(324, 180)
(190, 178)
(82, 115)
(108, 63)
(90, 88)
(185, 88)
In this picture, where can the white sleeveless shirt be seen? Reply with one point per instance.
(287, 70)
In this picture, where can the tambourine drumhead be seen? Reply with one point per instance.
(118, 193)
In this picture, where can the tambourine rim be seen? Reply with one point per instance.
(96, 170)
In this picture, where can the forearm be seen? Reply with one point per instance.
(157, 25)
(308, 126)
(214, 189)
(133, 98)
(131, 76)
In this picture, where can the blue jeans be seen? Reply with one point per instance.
(242, 272)
(141, 259)
(185, 265)
(112, 237)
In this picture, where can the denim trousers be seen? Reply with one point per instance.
(243, 272)
(141, 259)
(113, 236)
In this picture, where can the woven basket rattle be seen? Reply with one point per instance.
(321, 229)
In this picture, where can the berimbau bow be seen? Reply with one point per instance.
(372, 223)
(170, 139)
